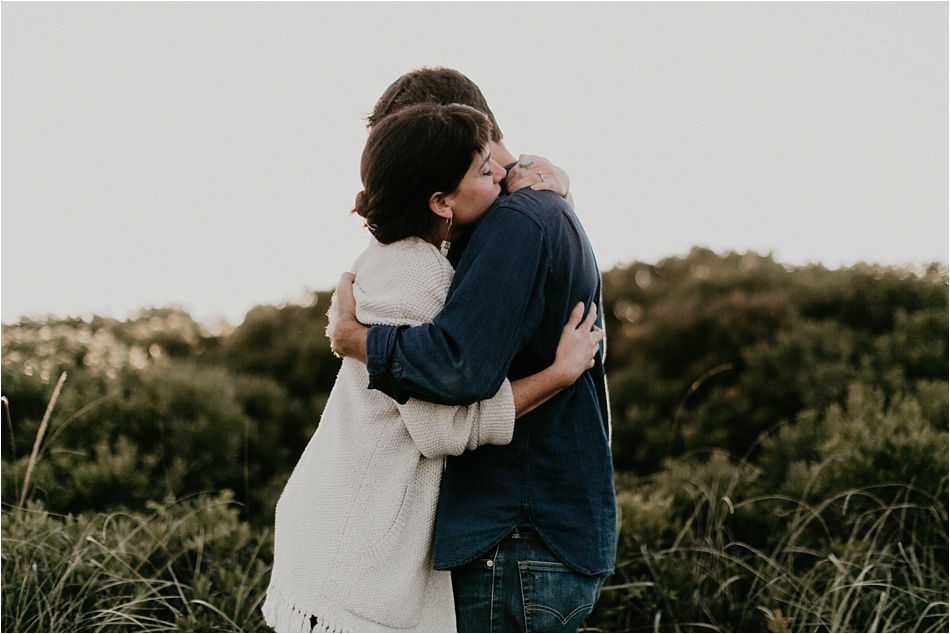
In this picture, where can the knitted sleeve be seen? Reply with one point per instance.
(444, 430)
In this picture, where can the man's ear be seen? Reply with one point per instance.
(439, 205)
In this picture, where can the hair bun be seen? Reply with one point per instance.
(361, 206)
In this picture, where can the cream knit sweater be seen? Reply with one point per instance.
(353, 535)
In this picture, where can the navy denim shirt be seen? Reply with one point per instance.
(528, 264)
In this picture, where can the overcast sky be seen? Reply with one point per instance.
(207, 154)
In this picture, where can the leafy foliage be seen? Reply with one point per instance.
(712, 351)
(779, 434)
(158, 406)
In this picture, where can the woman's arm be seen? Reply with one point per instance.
(539, 174)
(579, 344)
(445, 430)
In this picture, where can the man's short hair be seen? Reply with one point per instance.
(443, 86)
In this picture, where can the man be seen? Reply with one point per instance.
(527, 529)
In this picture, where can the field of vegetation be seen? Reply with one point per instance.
(780, 437)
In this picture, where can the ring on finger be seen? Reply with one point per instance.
(525, 163)
(542, 176)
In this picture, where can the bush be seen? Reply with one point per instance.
(779, 435)
(169, 430)
(696, 572)
(712, 351)
(157, 406)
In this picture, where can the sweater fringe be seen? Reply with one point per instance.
(284, 616)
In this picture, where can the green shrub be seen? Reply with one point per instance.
(170, 429)
(149, 409)
(840, 525)
(709, 351)
(779, 435)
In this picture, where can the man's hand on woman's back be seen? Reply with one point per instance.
(346, 334)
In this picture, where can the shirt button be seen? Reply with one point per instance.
(489, 563)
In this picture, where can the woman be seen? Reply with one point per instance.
(355, 522)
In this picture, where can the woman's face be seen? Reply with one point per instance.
(477, 191)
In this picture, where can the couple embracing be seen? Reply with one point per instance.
(460, 478)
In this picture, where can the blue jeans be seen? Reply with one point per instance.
(520, 586)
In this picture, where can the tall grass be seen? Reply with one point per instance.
(773, 563)
(193, 566)
(189, 566)
(39, 437)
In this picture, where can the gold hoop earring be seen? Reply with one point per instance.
(446, 245)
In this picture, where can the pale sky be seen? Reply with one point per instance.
(207, 155)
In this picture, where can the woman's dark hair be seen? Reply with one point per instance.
(410, 155)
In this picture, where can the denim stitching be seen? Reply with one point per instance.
(491, 603)
(524, 602)
(557, 615)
